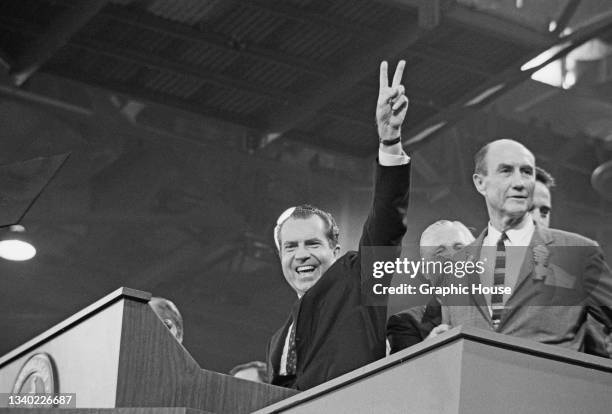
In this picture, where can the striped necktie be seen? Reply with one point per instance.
(499, 276)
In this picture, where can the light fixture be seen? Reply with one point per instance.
(545, 56)
(14, 242)
(15, 246)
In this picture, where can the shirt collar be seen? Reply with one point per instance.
(517, 236)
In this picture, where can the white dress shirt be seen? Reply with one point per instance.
(517, 242)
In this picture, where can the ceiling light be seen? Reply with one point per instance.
(544, 56)
(14, 245)
(569, 80)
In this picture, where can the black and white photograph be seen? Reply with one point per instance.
(305, 206)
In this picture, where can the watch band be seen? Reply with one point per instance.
(388, 143)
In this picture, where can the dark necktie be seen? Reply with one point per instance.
(292, 352)
(499, 276)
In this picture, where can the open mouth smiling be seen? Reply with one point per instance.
(305, 270)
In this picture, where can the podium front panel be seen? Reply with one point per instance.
(85, 359)
(414, 386)
(523, 382)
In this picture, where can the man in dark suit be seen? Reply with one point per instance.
(331, 329)
(439, 241)
(546, 280)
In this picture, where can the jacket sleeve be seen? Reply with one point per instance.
(385, 223)
(598, 285)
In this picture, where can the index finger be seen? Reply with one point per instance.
(399, 72)
(384, 80)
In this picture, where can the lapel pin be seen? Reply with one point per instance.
(541, 256)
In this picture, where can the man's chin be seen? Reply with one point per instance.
(517, 215)
(305, 283)
(517, 209)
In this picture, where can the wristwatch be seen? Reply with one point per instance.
(389, 142)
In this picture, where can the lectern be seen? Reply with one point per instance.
(117, 353)
(466, 370)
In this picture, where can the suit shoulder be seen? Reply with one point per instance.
(571, 239)
(414, 313)
(407, 317)
(348, 259)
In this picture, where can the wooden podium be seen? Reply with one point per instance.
(118, 357)
(117, 353)
(466, 370)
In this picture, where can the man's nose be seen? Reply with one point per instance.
(518, 180)
(301, 252)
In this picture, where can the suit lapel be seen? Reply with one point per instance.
(472, 253)
(541, 236)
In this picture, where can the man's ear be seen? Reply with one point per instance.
(479, 183)
(336, 251)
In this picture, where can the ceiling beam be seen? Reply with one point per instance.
(513, 32)
(163, 64)
(354, 71)
(158, 98)
(566, 16)
(301, 15)
(69, 22)
(56, 105)
(182, 69)
(208, 39)
(501, 83)
(454, 12)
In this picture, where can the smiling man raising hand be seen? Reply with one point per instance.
(330, 330)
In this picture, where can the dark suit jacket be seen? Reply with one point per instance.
(411, 326)
(336, 332)
(549, 303)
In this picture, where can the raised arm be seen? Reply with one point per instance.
(384, 226)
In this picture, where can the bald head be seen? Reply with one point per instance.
(480, 159)
(505, 176)
(444, 238)
(169, 314)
